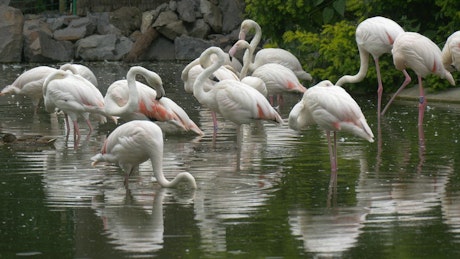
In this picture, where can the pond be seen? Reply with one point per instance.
(274, 197)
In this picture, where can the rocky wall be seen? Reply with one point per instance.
(175, 30)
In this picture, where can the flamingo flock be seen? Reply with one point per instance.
(240, 94)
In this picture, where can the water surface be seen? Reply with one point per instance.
(272, 197)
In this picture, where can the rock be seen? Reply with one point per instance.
(161, 49)
(182, 26)
(103, 25)
(77, 29)
(212, 15)
(39, 45)
(164, 18)
(35, 25)
(233, 15)
(103, 47)
(122, 46)
(42, 48)
(169, 25)
(188, 48)
(200, 29)
(11, 38)
(187, 10)
(147, 19)
(127, 19)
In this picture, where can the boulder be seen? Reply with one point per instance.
(103, 47)
(42, 48)
(188, 48)
(39, 45)
(127, 19)
(187, 10)
(199, 29)
(11, 38)
(212, 15)
(169, 25)
(77, 29)
(233, 15)
(103, 25)
(161, 49)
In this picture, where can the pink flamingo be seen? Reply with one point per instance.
(270, 55)
(451, 52)
(277, 78)
(333, 109)
(374, 36)
(133, 100)
(73, 95)
(135, 142)
(234, 100)
(30, 84)
(415, 51)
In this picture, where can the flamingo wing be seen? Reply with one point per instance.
(333, 109)
(242, 104)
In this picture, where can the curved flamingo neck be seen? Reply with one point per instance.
(186, 70)
(132, 104)
(364, 58)
(257, 37)
(199, 91)
(69, 67)
(156, 158)
(247, 59)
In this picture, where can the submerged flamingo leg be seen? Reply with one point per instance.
(67, 125)
(76, 129)
(407, 80)
(379, 89)
(89, 126)
(422, 102)
(332, 151)
(335, 150)
(214, 121)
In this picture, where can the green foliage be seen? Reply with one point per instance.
(277, 16)
(333, 53)
(321, 33)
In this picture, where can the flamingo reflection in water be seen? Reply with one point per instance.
(134, 220)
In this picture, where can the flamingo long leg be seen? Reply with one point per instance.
(422, 102)
(332, 151)
(407, 80)
(76, 129)
(379, 89)
(67, 125)
(90, 126)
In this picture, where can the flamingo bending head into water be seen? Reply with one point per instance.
(332, 109)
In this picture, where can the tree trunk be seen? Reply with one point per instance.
(141, 45)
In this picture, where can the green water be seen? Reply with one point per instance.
(279, 200)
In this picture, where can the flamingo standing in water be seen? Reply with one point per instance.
(333, 109)
(234, 100)
(133, 100)
(374, 36)
(415, 51)
(277, 78)
(135, 142)
(270, 55)
(82, 70)
(73, 95)
(451, 52)
(30, 84)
